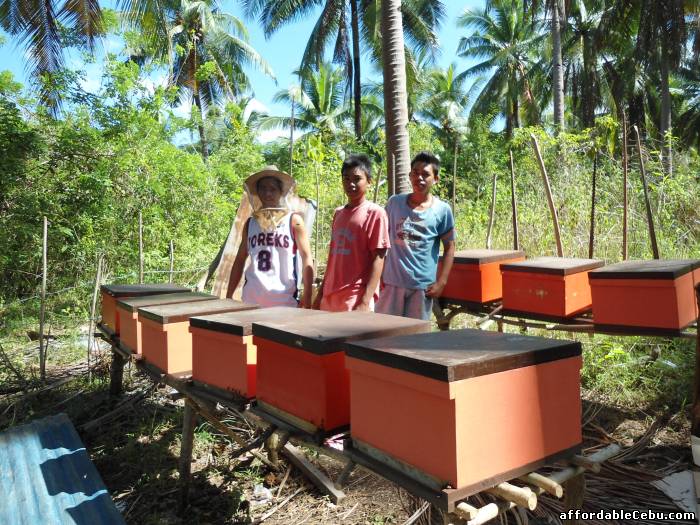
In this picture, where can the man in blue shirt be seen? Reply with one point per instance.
(418, 222)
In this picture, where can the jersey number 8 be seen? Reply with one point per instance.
(264, 261)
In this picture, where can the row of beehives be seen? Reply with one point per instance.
(656, 294)
(450, 409)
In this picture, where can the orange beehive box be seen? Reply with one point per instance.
(166, 341)
(547, 286)
(111, 292)
(301, 365)
(464, 409)
(655, 294)
(476, 275)
(223, 353)
(129, 325)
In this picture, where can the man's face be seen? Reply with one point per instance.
(422, 177)
(269, 192)
(355, 183)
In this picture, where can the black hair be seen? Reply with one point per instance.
(277, 181)
(358, 160)
(428, 158)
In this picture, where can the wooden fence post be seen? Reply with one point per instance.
(93, 307)
(548, 191)
(624, 186)
(189, 421)
(172, 261)
(591, 237)
(492, 212)
(140, 247)
(650, 218)
(514, 203)
(42, 310)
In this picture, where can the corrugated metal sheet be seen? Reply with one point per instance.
(47, 478)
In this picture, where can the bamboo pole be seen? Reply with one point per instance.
(514, 203)
(172, 261)
(140, 247)
(548, 190)
(93, 307)
(318, 211)
(492, 212)
(42, 310)
(454, 178)
(624, 186)
(591, 237)
(650, 217)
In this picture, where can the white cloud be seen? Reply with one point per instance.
(184, 109)
(255, 105)
(272, 134)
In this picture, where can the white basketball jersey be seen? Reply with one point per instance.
(272, 276)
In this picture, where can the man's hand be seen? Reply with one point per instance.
(362, 306)
(435, 289)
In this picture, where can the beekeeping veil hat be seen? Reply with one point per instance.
(268, 218)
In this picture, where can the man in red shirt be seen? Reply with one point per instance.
(360, 239)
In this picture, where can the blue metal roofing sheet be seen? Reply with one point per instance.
(46, 477)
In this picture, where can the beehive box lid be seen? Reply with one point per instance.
(136, 290)
(553, 265)
(176, 313)
(241, 323)
(322, 335)
(477, 256)
(461, 354)
(132, 304)
(655, 269)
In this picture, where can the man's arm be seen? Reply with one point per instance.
(448, 246)
(307, 262)
(375, 274)
(239, 262)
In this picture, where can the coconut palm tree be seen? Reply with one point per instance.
(318, 102)
(345, 25)
(509, 46)
(207, 50)
(38, 26)
(395, 103)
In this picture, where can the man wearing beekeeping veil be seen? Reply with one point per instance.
(275, 238)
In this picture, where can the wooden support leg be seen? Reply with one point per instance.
(189, 421)
(443, 321)
(574, 494)
(274, 443)
(116, 375)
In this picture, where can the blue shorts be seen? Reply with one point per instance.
(405, 302)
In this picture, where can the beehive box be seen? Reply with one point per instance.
(547, 286)
(465, 409)
(166, 341)
(301, 365)
(127, 310)
(111, 292)
(476, 275)
(655, 294)
(223, 353)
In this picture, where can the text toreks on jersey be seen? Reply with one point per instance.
(272, 277)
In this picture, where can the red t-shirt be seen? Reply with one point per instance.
(355, 234)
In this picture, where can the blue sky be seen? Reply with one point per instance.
(282, 51)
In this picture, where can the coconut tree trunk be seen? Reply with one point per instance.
(395, 100)
(588, 81)
(200, 124)
(557, 69)
(356, 88)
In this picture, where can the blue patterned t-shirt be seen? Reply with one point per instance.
(415, 241)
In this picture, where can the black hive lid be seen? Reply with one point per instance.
(654, 269)
(241, 322)
(132, 304)
(478, 256)
(136, 290)
(460, 354)
(322, 335)
(175, 313)
(553, 265)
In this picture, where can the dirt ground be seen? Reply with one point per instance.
(137, 452)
